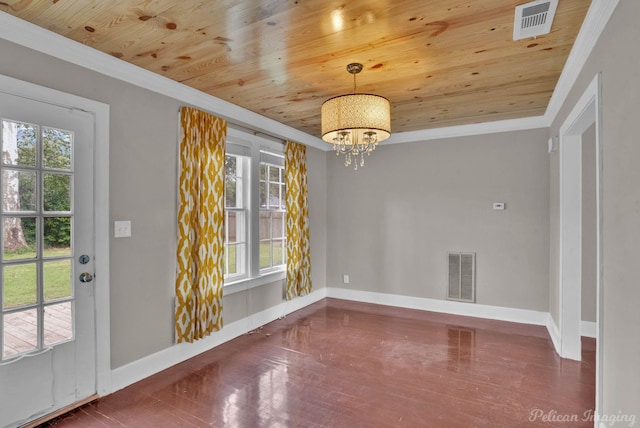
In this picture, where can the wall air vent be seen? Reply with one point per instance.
(462, 277)
(534, 18)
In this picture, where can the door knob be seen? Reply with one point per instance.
(86, 277)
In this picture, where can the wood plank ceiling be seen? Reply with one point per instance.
(439, 62)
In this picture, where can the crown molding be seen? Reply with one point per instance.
(494, 127)
(597, 17)
(29, 35)
(37, 38)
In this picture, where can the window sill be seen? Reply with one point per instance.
(249, 283)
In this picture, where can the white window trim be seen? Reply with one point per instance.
(246, 144)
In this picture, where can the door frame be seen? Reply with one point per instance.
(100, 112)
(585, 113)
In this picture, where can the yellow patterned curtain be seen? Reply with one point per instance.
(200, 277)
(298, 249)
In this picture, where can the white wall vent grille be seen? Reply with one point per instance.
(462, 277)
(534, 18)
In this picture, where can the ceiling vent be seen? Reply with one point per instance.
(534, 18)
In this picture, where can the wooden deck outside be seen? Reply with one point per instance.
(21, 328)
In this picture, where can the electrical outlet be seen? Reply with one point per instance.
(345, 279)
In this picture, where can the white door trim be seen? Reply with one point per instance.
(585, 113)
(101, 209)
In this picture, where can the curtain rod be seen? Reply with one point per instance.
(257, 133)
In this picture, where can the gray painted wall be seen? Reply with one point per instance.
(391, 224)
(428, 198)
(143, 183)
(614, 56)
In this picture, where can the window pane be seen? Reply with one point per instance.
(58, 323)
(19, 234)
(283, 197)
(230, 165)
(20, 332)
(57, 236)
(57, 148)
(57, 192)
(263, 194)
(57, 279)
(233, 227)
(233, 259)
(19, 141)
(230, 190)
(265, 254)
(277, 225)
(265, 225)
(19, 190)
(20, 285)
(274, 196)
(278, 252)
(274, 174)
(263, 172)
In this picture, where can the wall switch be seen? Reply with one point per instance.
(121, 229)
(345, 279)
(499, 206)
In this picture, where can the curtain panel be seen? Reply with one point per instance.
(298, 248)
(199, 276)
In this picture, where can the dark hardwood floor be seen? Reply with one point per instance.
(345, 364)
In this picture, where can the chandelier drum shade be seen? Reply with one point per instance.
(355, 123)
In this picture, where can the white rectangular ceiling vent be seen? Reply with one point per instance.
(534, 18)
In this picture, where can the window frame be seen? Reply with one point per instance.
(242, 143)
(270, 159)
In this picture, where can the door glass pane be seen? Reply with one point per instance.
(56, 148)
(57, 279)
(20, 332)
(57, 236)
(19, 238)
(20, 285)
(19, 190)
(58, 323)
(57, 192)
(19, 143)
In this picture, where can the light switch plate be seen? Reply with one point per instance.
(121, 229)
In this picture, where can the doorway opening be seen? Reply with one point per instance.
(582, 127)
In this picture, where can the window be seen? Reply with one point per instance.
(255, 211)
(272, 211)
(235, 214)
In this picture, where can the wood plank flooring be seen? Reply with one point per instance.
(345, 364)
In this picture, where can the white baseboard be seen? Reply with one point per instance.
(524, 316)
(588, 329)
(554, 333)
(154, 363)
